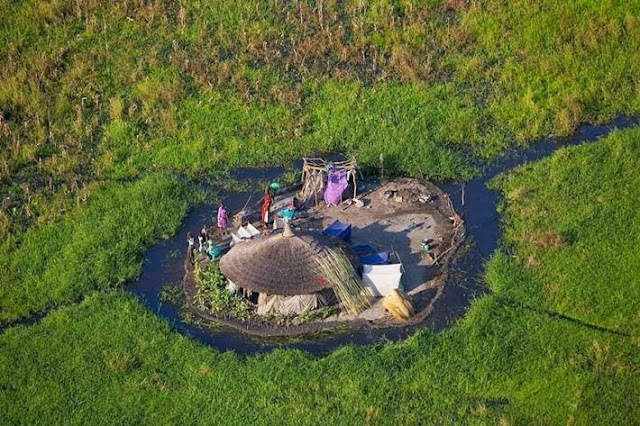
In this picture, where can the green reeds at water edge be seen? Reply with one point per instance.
(342, 277)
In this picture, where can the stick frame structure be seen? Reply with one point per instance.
(312, 167)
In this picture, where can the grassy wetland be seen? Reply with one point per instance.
(110, 110)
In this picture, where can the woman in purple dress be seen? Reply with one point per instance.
(223, 220)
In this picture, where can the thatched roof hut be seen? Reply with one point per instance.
(282, 265)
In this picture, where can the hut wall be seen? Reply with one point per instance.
(286, 305)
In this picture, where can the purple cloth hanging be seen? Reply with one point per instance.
(336, 184)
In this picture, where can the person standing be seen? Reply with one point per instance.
(223, 220)
(191, 241)
(201, 238)
(266, 206)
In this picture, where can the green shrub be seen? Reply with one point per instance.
(212, 295)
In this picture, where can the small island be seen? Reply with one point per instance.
(320, 255)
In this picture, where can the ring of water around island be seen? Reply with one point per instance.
(475, 202)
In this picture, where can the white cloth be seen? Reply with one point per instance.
(278, 223)
(380, 280)
(231, 287)
(243, 233)
(271, 304)
(252, 230)
(234, 239)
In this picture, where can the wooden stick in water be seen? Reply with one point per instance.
(247, 203)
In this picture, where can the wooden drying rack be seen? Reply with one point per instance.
(310, 165)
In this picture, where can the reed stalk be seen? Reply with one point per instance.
(342, 277)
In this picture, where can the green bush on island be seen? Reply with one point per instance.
(212, 295)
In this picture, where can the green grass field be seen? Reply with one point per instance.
(573, 224)
(96, 90)
(96, 246)
(526, 353)
(109, 111)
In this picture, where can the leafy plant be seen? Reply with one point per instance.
(212, 295)
(317, 314)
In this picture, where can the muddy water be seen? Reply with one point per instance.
(163, 262)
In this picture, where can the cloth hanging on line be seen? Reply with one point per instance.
(336, 184)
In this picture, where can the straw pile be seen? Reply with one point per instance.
(340, 273)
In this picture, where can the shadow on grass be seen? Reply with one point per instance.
(510, 302)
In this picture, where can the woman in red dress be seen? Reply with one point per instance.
(266, 205)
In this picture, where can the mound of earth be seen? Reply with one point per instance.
(399, 216)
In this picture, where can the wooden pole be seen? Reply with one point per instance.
(355, 183)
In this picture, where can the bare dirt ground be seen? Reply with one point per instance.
(396, 216)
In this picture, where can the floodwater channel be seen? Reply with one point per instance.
(163, 263)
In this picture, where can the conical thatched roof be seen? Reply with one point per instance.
(281, 265)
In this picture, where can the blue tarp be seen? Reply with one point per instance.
(340, 230)
(376, 259)
(364, 250)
